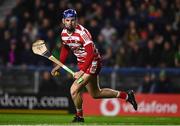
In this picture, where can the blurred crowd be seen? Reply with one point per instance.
(128, 33)
(160, 83)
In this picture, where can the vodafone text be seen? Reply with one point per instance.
(154, 107)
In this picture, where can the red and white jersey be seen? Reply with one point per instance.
(77, 42)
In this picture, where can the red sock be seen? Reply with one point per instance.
(79, 113)
(122, 95)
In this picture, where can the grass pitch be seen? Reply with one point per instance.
(50, 119)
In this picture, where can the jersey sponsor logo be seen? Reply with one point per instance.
(71, 38)
(73, 44)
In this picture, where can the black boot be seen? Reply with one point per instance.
(77, 119)
(131, 99)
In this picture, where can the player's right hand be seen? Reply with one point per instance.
(55, 72)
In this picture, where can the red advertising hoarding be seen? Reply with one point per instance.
(148, 105)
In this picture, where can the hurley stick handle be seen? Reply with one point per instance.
(52, 58)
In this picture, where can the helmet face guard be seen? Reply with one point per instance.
(69, 13)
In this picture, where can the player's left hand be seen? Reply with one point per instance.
(78, 74)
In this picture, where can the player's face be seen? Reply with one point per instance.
(69, 23)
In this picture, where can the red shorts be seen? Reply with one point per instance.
(93, 69)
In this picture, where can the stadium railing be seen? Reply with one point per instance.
(28, 79)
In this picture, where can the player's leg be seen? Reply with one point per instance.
(96, 92)
(77, 98)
